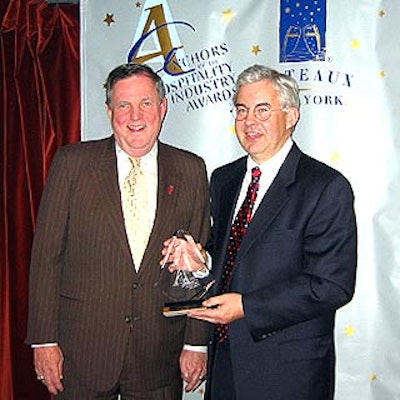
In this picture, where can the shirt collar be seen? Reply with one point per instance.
(148, 161)
(275, 162)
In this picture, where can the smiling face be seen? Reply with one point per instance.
(136, 114)
(263, 139)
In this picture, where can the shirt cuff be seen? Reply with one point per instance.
(198, 349)
(35, 346)
(200, 274)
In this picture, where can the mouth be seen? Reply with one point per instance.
(136, 128)
(252, 135)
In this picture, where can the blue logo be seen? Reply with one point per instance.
(302, 30)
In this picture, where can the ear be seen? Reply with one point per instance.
(108, 111)
(292, 117)
(164, 108)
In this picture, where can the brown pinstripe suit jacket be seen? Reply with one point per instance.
(84, 291)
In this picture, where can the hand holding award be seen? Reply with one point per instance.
(184, 278)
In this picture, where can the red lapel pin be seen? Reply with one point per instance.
(170, 189)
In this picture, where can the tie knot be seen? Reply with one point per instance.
(135, 161)
(255, 174)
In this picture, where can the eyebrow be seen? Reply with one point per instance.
(265, 103)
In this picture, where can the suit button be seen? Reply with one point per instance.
(135, 285)
(128, 319)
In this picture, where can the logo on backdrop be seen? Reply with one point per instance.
(204, 76)
(302, 51)
(302, 30)
(157, 41)
(196, 80)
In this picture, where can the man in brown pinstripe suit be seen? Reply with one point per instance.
(95, 318)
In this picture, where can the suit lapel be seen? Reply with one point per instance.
(273, 201)
(229, 194)
(105, 180)
(168, 182)
(226, 194)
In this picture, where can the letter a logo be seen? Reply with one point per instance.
(156, 39)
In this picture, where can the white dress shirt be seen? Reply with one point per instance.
(269, 170)
(149, 166)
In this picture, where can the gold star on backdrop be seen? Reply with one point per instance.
(228, 14)
(256, 49)
(373, 377)
(109, 19)
(382, 13)
(382, 74)
(355, 44)
(350, 330)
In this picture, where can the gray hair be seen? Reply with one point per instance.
(286, 86)
(125, 71)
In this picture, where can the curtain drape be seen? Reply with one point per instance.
(39, 111)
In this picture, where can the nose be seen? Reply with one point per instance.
(250, 118)
(136, 112)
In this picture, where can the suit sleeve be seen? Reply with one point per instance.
(47, 254)
(200, 223)
(323, 265)
(196, 331)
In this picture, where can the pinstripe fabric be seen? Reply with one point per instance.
(84, 290)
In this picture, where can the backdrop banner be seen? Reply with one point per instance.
(345, 56)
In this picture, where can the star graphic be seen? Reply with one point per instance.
(382, 74)
(138, 4)
(335, 158)
(109, 19)
(355, 44)
(373, 377)
(350, 330)
(382, 13)
(256, 49)
(228, 14)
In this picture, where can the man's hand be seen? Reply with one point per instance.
(193, 368)
(48, 361)
(183, 254)
(222, 309)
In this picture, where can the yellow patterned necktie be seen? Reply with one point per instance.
(135, 209)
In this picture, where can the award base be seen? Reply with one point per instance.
(177, 308)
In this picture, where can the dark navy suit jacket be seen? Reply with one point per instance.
(295, 268)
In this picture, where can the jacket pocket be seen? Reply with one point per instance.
(305, 349)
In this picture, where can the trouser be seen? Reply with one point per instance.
(124, 389)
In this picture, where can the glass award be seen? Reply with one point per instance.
(184, 289)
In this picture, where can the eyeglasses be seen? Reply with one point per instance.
(261, 112)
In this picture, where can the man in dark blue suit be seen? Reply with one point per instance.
(295, 264)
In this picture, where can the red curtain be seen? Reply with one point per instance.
(39, 111)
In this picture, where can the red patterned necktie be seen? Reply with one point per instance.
(238, 230)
